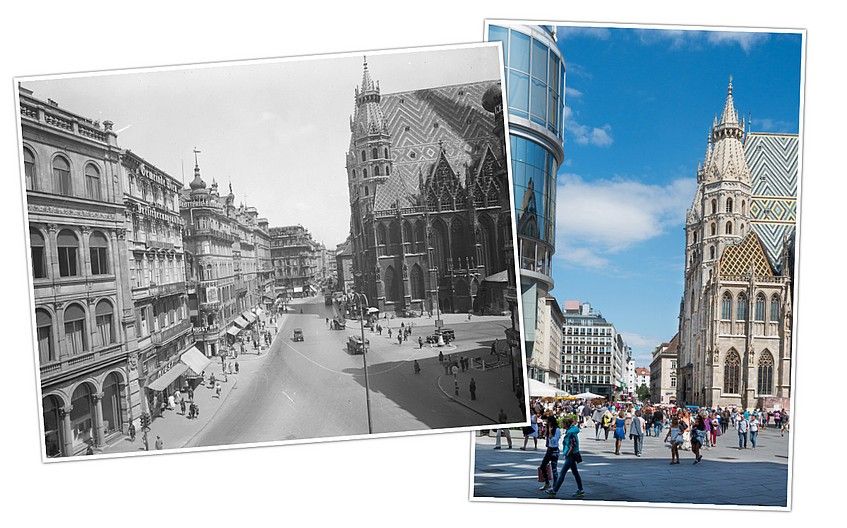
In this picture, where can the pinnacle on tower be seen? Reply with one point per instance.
(729, 116)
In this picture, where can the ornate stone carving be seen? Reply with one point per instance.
(716, 356)
(405, 271)
(66, 410)
(52, 228)
(121, 232)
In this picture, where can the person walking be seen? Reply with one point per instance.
(551, 455)
(676, 440)
(440, 356)
(784, 429)
(715, 431)
(658, 421)
(472, 389)
(531, 431)
(131, 432)
(218, 389)
(236, 367)
(572, 458)
(417, 367)
(182, 407)
(620, 431)
(741, 425)
(597, 418)
(420, 342)
(698, 437)
(753, 427)
(636, 432)
(608, 419)
(503, 418)
(159, 444)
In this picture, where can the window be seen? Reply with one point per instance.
(37, 252)
(364, 156)
(376, 170)
(759, 314)
(741, 312)
(67, 248)
(386, 152)
(712, 252)
(387, 171)
(364, 173)
(92, 181)
(62, 175)
(75, 329)
(729, 228)
(726, 306)
(775, 308)
(105, 326)
(366, 191)
(743, 207)
(729, 205)
(714, 229)
(764, 378)
(44, 325)
(731, 372)
(374, 153)
(29, 169)
(99, 254)
(714, 206)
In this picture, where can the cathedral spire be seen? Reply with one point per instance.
(729, 116)
(725, 149)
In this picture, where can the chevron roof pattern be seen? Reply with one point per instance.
(773, 163)
(418, 121)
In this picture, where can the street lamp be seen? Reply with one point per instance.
(363, 301)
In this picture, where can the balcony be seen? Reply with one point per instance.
(86, 359)
(158, 244)
(163, 336)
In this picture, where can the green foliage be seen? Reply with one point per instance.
(643, 392)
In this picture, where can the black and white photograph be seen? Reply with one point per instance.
(270, 251)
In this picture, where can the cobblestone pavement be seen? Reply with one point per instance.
(727, 475)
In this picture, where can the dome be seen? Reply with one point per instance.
(492, 98)
(197, 183)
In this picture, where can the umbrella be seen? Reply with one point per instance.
(373, 310)
(587, 396)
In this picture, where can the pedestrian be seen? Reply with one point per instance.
(399, 338)
(159, 444)
(608, 418)
(636, 432)
(572, 458)
(417, 367)
(531, 431)
(472, 389)
(741, 425)
(675, 436)
(90, 449)
(753, 426)
(236, 367)
(182, 407)
(456, 385)
(171, 402)
(548, 470)
(218, 389)
(620, 428)
(698, 437)
(420, 342)
(389, 333)
(785, 425)
(658, 420)
(503, 418)
(191, 394)
(494, 348)
(597, 418)
(715, 430)
(131, 432)
(440, 356)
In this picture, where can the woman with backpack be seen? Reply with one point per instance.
(572, 458)
(551, 457)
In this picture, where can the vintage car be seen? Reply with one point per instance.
(354, 344)
(448, 334)
(298, 334)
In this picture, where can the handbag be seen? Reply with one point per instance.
(545, 474)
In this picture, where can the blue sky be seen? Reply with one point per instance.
(639, 105)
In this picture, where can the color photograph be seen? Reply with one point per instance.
(658, 226)
(269, 251)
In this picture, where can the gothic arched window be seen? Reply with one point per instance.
(387, 171)
(759, 313)
(743, 207)
(775, 308)
(731, 372)
(729, 228)
(695, 237)
(726, 306)
(729, 205)
(714, 206)
(386, 152)
(376, 170)
(711, 252)
(364, 173)
(364, 156)
(374, 153)
(714, 229)
(764, 384)
(741, 311)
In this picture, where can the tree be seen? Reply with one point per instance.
(643, 393)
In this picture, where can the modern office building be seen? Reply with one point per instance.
(535, 84)
(594, 354)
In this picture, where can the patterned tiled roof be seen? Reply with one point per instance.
(417, 121)
(738, 260)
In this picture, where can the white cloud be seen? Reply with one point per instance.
(608, 216)
(572, 92)
(585, 134)
(601, 33)
(581, 256)
(679, 38)
(767, 124)
(746, 40)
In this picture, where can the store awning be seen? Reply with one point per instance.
(168, 377)
(298, 289)
(196, 360)
(233, 330)
(247, 314)
(240, 321)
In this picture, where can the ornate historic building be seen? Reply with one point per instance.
(663, 372)
(426, 174)
(297, 261)
(157, 278)
(84, 318)
(735, 314)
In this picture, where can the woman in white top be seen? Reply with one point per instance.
(531, 431)
(753, 428)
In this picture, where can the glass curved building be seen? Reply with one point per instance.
(535, 85)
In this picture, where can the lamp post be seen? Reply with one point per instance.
(363, 301)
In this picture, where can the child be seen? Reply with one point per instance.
(675, 434)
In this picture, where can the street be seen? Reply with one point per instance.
(726, 475)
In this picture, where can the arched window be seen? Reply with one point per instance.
(714, 229)
(741, 311)
(387, 170)
(354, 173)
(366, 190)
(364, 173)
(731, 372)
(711, 252)
(364, 156)
(29, 169)
(775, 311)
(62, 175)
(729, 205)
(764, 378)
(75, 333)
(376, 170)
(759, 313)
(374, 153)
(67, 248)
(99, 248)
(743, 207)
(695, 236)
(92, 181)
(729, 228)
(714, 206)
(386, 152)
(38, 254)
(726, 306)
(105, 323)
(44, 325)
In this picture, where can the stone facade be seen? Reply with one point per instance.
(297, 261)
(545, 363)
(735, 314)
(663, 372)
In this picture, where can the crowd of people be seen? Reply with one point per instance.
(693, 429)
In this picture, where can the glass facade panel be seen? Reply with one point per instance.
(519, 51)
(539, 61)
(518, 92)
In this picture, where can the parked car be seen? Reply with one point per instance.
(448, 334)
(354, 344)
(298, 334)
